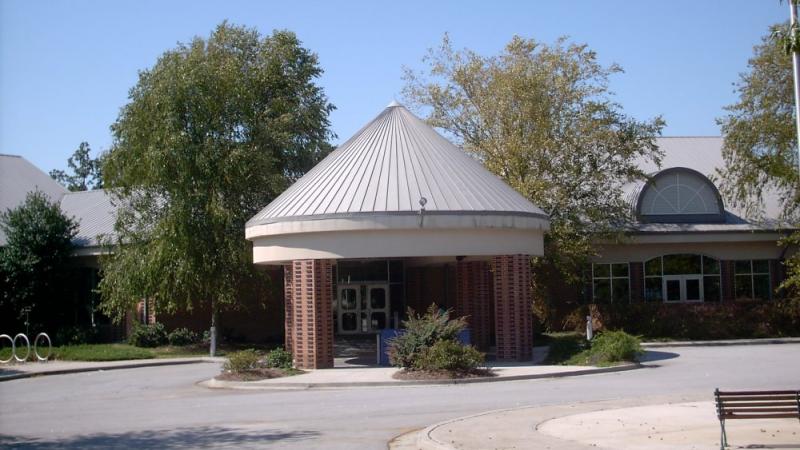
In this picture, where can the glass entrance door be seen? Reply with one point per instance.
(683, 288)
(378, 307)
(362, 308)
(348, 310)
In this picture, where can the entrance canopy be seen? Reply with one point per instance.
(396, 189)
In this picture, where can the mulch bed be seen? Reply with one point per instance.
(406, 374)
(257, 374)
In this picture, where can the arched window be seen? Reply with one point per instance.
(682, 278)
(679, 195)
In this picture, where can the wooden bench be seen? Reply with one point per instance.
(755, 405)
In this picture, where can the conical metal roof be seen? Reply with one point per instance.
(386, 169)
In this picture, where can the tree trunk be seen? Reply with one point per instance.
(214, 326)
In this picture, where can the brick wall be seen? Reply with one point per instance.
(777, 275)
(512, 304)
(310, 328)
(474, 299)
(636, 273)
(288, 308)
(726, 273)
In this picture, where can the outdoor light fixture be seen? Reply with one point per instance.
(422, 202)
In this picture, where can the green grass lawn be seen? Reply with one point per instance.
(120, 352)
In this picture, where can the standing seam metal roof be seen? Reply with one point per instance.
(386, 168)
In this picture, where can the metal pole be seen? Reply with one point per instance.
(796, 68)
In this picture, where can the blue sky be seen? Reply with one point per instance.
(66, 67)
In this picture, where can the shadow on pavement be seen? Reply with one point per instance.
(6, 370)
(180, 438)
(655, 355)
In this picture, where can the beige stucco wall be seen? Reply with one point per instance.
(732, 249)
(397, 243)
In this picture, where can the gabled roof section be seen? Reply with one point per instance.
(18, 177)
(95, 214)
(386, 168)
(702, 154)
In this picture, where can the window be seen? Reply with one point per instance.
(682, 278)
(611, 283)
(680, 195)
(751, 280)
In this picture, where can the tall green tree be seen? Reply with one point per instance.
(86, 173)
(214, 131)
(33, 264)
(760, 146)
(760, 141)
(542, 118)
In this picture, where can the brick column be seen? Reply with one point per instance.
(726, 276)
(309, 309)
(513, 307)
(288, 307)
(636, 273)
(474, 299)
(414, 289)
(776, 277)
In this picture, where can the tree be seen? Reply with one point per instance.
(86, 174)
(33, 263)
(214, 131)
(759, 135)
(760, 144)
(542, 118)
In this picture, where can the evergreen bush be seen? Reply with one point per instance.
(182, 336)
(242, 361)
(148, 335)
(421, 332)
(279, 359)
(449, 356)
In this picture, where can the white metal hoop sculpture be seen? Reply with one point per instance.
(27, 345)
(13, 349)
(49, 347)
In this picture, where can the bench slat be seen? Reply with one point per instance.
(762, 410)
(738, 404)
(724, 393)
(763, 416)
(755, 399)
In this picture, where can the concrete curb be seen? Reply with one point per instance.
(423, 439)
(427, 442)
(96, 368)
(254, 385)
(720, 343)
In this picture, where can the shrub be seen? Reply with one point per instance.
(74, 335)
(726, 320)
(449, 356)
(422, 332)
(182, 336)
(148, 335)
(242, 361)
(607, 348)
(279, 359)
(615, 346)
(564, 347)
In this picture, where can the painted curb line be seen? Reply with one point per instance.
(722, 343)
(21, 375)
(252, 385)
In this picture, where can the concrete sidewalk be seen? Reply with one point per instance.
(382, 376)
(34, 369)
(684, 422)
(723, 342)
